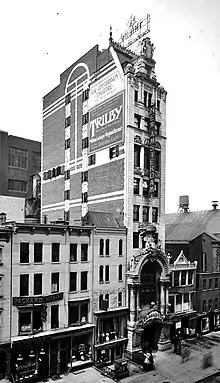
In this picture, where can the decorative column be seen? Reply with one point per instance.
(138, 301)
(167, 298)
(132, 306)
(142, 157)
(162, 298)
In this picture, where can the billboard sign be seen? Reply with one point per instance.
(106, 123)
(152, 151)
(136, 30)
(107, 87)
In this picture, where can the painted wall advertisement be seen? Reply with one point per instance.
(106, 123)
(105, 88)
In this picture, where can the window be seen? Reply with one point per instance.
(146, 158)
(145, 187)
(120, 247)
(186, 298)
(30, 321)
(54, 316)
(135, 240)
(67, 143)
(101, 247)
(107, 245)
(119, 299)
(54, 282)
(85, 176)
(136, 187)
(136, 213)
(84, 252)
(215, 303)
(85, 118)
(146, 210)
(85, 143)
(190, 277)
(67, 98)
(137, 120)
(154, 214)
(73, 281)
(107, 273)
(67, 121)
(149, 99)
(54, 173)
(24, 252)
(101, 277)
(91, 160)
(100, 301)
(216, 283)
(78, 313)
(55, 252)
(24, 285)
(157, 160)
(157, 127)
(204, 262)
(137, 152)
(85, 95)
(67, 174)
(210, 284)
(183, 278)
(178, 302)
(17, 185)
(1, 256)
(66, 194)
(66, 216)
(204, 305)
(176, 278)
(120, 273)
(18, 158)
(145, 98)
(37, 284)
(107, 299)
(73, 252)
(38, 252)
(156, 193)
(158, 105)
(114, 152)
(84, 197)
(84, 280)
(135, 96)
(210, 304)
(171, 303)
(204, 284)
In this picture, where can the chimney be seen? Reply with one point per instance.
(214, 205)
(2, 218)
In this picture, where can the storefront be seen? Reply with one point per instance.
(203, 323)
(49, 354)
(111, 337)
(184, 324)
(216, 320)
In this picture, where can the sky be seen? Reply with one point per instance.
(42, 38)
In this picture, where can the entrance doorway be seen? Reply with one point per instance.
(150, 336)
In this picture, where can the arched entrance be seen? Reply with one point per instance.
(151, 335)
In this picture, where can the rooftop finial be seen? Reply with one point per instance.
(110, 35)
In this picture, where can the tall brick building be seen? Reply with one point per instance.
(19, 159)
(104, 137)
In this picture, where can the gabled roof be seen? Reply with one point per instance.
(189, 225)
(101, 219)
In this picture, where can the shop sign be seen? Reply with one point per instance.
(26, 368)
(23, 301)
(135, 31)
(106, 123)
(105, 88)
(178, 325)
(152, 151)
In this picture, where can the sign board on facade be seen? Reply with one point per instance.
(23, 301)
(105, 88)
(152, 151)
(106, 123)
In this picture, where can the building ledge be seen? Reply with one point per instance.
(58, 331)
(111, 311)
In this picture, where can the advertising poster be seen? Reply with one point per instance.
(106, 123)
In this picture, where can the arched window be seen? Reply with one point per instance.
(107, 245)
(157, 160)
(119, 299)
(204, 262)
(107, 273)
(101, 274)
(120, 272)
(101, 247)
(120, 250)
(107, 299)
(100, 301)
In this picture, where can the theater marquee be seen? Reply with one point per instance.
(106, 123)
